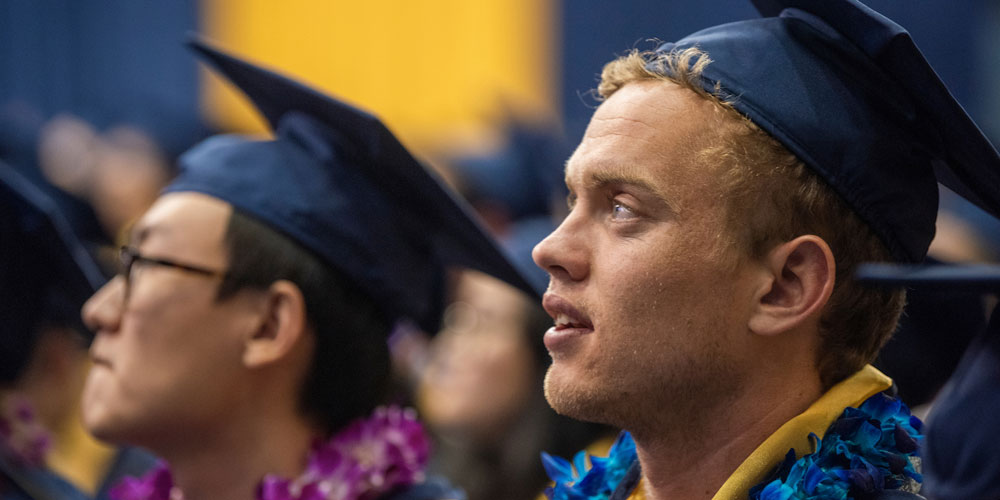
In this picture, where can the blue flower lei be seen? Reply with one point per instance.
(576, 481)
(868, 449)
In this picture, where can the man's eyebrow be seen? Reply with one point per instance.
(622, 176)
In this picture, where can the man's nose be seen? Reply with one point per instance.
(103, 311)
(563, 253)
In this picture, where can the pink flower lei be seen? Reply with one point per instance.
(367, 459)
(23, 439)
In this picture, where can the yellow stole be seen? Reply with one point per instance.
(795, 433)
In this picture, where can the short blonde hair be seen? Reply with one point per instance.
(773, 197)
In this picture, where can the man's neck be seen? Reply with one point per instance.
(231, 464)
(681, 462)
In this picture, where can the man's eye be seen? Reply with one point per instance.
(621, 211)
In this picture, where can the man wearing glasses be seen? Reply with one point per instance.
(248, 326)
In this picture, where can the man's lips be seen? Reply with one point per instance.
(570, 323)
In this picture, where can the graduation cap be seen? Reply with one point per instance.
(45, 273)
(959, 455)
(336, 180)
(521, 240)
(523, 176)
(849, 93)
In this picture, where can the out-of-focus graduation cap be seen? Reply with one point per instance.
(977, 278)
(848, 92)
(45, 272)
(21, 126)
(338, 182)
(959, 455)
(520, 242)
(523, 176)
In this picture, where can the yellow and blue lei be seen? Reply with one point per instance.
(867, 450)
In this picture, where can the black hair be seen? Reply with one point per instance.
(349, 369)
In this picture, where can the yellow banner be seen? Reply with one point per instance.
(436, 71)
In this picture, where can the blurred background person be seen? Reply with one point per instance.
(481, 395)
(45, 276)
(98, 181)
(95, 102)
(481, 388)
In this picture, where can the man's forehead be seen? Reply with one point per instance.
(646, 102)
(650, 117)
(183, 219)
(646, 134)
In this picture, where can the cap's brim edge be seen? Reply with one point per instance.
(979, 278)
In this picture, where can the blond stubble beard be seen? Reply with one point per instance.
(671, 402)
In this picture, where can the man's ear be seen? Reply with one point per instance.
(801, 274)
(283, 326)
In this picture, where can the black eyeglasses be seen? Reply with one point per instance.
(128, 256)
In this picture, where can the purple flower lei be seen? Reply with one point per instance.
(368, 458)
(22, 438)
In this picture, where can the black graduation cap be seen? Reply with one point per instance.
(848, 92)
(338, 182)
(46, 274)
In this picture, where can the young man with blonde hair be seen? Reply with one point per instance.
(702, 284)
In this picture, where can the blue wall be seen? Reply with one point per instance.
(110, 61)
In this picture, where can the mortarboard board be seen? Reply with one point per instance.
(337, 182)
(45, 272)
(848, 92)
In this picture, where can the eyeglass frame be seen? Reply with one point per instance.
(128, 256)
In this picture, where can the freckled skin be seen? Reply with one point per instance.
(645, 258)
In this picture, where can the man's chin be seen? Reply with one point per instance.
(575, 397)
(102, 424)
(98, 426)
